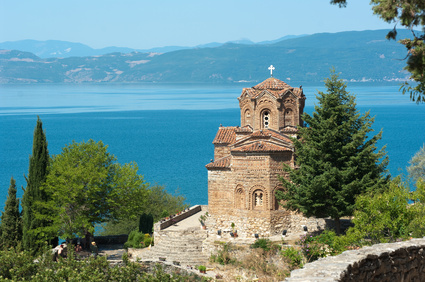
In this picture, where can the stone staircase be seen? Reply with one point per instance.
(183, 246)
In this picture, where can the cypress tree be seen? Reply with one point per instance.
(146, 223)
(37, 173)
(142, 222)
(336, 159)
(11, 219)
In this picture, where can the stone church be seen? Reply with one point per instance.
(243, 177)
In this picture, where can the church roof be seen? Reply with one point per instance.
(265, 140)
(290, 129)
(244, 129)
(275, 87)
(220, 163)
(225, 135)
(272, 84)
(261, 146)
(266, 133)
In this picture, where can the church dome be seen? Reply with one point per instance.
(272, 84)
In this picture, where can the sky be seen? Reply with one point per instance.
(142, 24)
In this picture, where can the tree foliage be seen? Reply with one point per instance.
(416, 169)
(390, 215)
(19, 265)
(410, 14)
(159, 203)
(145, 223)
(88, 187)
(37, 173)
(11, 224)
(336, 157)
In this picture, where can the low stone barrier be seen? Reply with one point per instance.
(191, 211)
(401, 261)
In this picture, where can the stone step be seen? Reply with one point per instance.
(171, 256)
(182, 248)
(187, 261)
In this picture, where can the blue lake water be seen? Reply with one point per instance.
(168, 130)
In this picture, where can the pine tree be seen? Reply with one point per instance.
(11, 219)
(336, 159)
(37, 173)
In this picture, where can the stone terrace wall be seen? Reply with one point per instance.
(403, 261)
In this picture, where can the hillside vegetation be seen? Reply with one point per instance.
(357, 55)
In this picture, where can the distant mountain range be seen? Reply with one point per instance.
(357, 55)
(65, 49)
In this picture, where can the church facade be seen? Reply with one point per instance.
(248, 159)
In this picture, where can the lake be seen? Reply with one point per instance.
(168, 129)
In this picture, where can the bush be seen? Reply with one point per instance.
(293, 257)
(21, 266)
(16, 265)
(138, 240)
(223, 256)
(323, 245)
(148, 240)
(264, 244)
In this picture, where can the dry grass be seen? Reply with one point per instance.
(246, 264)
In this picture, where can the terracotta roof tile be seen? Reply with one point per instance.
(272, 83)
(220, 163)
(267, 133)
(225, 135)
(275, 87)
(290, 129)
(261, 146)
(245, 129)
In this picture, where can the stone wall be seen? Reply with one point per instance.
(402, 261)
(111, 239)
(248, 223)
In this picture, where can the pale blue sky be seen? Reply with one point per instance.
(145, 24)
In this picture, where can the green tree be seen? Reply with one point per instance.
(416, 169)
(387, 216)
(88, 187)
(38, 169)
(11, 222)
(159, 203)
(335, 156)
(410, 14)
(146, 223)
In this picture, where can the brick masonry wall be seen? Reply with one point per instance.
(231, 196)
(221, 150)
(402, 261)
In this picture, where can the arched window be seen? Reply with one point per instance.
(239, 198)
(266, 118)
(258, 200)
(247, 116)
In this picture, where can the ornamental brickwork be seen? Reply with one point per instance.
(248, 159)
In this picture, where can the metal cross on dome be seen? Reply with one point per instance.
(271, 68)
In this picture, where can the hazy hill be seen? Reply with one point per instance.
(364, 55)
(65, 49)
